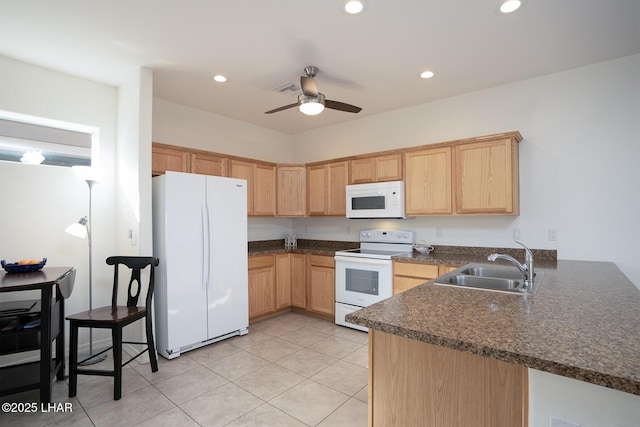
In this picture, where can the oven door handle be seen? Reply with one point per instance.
(358, 260)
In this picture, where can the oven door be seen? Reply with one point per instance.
(363, 281)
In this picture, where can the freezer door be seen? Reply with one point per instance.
(185, 246)
(227, 278)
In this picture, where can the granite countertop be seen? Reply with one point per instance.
(582, 323)
(315, 247)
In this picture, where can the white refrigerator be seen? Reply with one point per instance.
(200, 237)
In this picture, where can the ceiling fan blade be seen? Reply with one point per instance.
(341, 106)
(308, 86)
(285, 107)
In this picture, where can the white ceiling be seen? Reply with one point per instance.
(372, 60)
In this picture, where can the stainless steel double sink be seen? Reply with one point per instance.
(489, 278)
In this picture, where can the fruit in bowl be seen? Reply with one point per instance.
(29, 261)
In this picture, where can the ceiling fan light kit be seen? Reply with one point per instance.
(310, 101)
(311, 105)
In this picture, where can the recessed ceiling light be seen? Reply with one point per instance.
(509, 6)
(427, 74)
(354, 7)
(220, 78)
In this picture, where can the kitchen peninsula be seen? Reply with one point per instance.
(582, 323)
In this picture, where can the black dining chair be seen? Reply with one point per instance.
(116, 317)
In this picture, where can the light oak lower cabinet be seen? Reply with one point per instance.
(298, 280)
(444, 269)
(412, 383)
(262, 285)
(321, 284)
(408, 275)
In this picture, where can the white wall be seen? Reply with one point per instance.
(187, 127)
(579, 159)
(39, 202)
(588, 405)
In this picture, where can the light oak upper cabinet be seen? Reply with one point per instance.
(321, 284)
(376, 169)
(164, 158)
(291, 191)
(428, 182)
(487, 177)
(261, 186)
(264, 190)
(262, 285)
(326, 185)
(209, 164)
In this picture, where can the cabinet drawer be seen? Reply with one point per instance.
(427, 271)
(322, 261)
(261, 261)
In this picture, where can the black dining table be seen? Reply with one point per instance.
(55, 285)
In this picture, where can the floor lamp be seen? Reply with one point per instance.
(82, 229)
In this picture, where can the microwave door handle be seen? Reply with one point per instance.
(357, 260)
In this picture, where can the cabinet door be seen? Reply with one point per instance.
(244, 170)
(388, 168)
(264, 190)
(428, 181)
(262, 292)
(298, 281)
(291, 191)
(487, 178)
(338, 178)
(322, 284)
(444, 269)
(168, 159)
(409, 275)
(362, 170)
(283, 280)
(317, 190)
(209, 164)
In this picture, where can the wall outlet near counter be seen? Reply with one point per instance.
(516, 234)
(438, 231)
(552, 234)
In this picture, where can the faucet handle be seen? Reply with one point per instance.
(529, 254)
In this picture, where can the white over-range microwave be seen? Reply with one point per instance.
(376, 200)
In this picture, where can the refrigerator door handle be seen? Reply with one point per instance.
(205, 245)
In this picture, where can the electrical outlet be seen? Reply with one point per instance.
(438, 231)
(552, 234)
(133, 237)
(348, 229)
(306, 228)
(516, 234)
(559, 422)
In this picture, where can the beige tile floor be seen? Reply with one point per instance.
(290, 370)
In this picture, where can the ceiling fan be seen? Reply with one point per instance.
(312, 102)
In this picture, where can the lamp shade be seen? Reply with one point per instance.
(78, 229)
(86, 173)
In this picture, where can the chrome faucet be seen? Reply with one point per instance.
(526, 268)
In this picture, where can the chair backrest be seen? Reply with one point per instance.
(136, 264)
